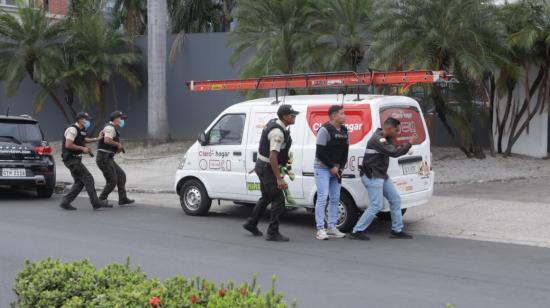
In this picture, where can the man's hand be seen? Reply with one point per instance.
(120, 147)
(86, 150)
(281, 184)
(414, 139)
(335, 171)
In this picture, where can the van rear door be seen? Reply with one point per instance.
(410, 172)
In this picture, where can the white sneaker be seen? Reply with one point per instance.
(322, 235)
(334, 232)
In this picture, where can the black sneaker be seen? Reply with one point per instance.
(277, 237)
(102, 204)
(67, 207)
(358, 236)
(126, 201)
(401, 235)
(252, 229)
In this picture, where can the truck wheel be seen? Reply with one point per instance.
(386, 216)
(347, 213)
(44, 192)
(194, 198)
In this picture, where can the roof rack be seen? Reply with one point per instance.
(322, 80)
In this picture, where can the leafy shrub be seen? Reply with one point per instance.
(79, 284)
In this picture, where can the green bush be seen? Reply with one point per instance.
(52, 283)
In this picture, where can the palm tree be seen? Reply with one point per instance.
(157, 111)
(29, 44)
(344, 24)
(100, 53)
(132, 15)
(458, 36)
(278, 34)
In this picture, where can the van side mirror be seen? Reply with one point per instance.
(203, 138)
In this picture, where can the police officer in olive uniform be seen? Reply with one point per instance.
(74, 145)
(108, 146)
(273, 152)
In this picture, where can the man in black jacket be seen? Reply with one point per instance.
(375, 178)
(331, 156)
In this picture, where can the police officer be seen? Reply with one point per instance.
(74, 145)
(375, 178)
(331, 156)
(273, 152)
(108, 146)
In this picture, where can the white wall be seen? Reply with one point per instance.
(535, 142)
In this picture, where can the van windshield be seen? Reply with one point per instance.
(411, 122)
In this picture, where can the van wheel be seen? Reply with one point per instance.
(386, 216)
(44, 192)
(194, 198)
(347, 213)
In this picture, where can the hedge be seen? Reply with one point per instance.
(52, 283)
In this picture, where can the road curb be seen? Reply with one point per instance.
(506, 180)
(63, 188)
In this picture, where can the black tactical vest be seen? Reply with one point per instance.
(282, 158)
(79, 140)
(107, 147)
(338, 143)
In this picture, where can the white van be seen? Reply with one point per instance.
(220, 165)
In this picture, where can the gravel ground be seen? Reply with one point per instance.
(450, 165)
(453, 167)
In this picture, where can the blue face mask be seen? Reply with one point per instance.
(122, 123)
(87, 124)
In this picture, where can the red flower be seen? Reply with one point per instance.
(154, 301)
(221, 292)
(244, 291)
(193, 299)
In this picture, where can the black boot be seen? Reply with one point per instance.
(276, 237)
(67, 207)
(252, 229)
(125, 201)
(101, 204)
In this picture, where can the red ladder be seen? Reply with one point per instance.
(321, 80)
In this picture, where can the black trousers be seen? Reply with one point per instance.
(114, 175)
(82, 179)
(270, 194)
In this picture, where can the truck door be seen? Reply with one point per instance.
(222, 159)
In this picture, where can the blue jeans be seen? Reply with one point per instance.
(327, 188)
(378, 189)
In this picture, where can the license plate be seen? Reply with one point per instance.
(10, 172)
(411, 168)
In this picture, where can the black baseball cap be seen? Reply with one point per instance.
(286, 110)
(83, 115)
(118, 114)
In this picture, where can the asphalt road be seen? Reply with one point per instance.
(424, 272)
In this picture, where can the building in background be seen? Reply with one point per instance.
(55, 8)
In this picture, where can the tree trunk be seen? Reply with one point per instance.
(502, 124)
(157, 110)
(491, 114)
(60, 106)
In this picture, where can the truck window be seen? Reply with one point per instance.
(228, 130)
(411, 122)
(27, 132)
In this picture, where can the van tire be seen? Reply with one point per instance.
(44, 192)
(352, 213)
(194, 199)
(386, 216)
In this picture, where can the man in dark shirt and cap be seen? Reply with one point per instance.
(273, 152)
(375, 178)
